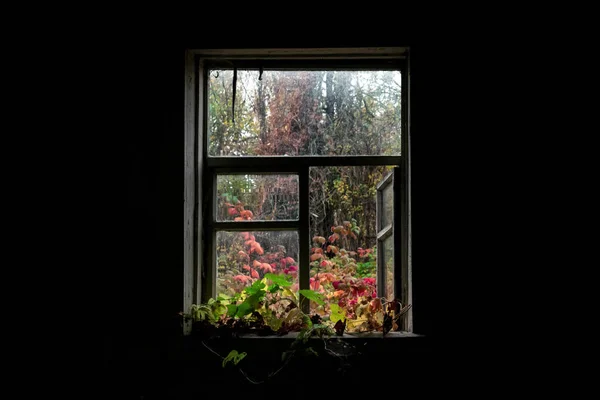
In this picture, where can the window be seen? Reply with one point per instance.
(297, 163)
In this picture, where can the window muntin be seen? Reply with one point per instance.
(387, 254)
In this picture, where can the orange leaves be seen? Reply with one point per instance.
(266, 267)
(246, 214)
(325, 277)
(242, 278)
(319, 239)
(242, 215)
(314, 284)
(337, 229)
(246, 267)
(254, 274)
(333, 237)
(290, 260)
(332, 249)
(285, 261)
(254, 247)
(376, 305)
(256, 264)
(316, 256)
(317, 250)
(243, 255)
(248, 236)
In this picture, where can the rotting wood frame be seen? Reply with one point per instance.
(200, 226)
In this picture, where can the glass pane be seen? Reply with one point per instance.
(343, 212)
(387, 212)
(387, 252)
(244, 257)
(300, 113)
(257, 197)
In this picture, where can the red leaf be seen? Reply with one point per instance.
(340, 327)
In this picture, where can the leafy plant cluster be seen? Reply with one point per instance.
(269, 307)
(342, 282)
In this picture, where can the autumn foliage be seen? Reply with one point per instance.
(344, 279)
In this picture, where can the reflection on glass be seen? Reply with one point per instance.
(387, 252)
(299, 113)
(244, 257)
(387, 212)
(257, 197)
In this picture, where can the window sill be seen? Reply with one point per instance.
(367, 335)
(404, 341)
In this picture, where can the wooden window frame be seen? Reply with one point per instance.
(200, 170)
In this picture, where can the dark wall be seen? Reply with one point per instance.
(144, 123)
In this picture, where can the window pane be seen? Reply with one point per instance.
(244, 257)
(299, 113)
(387, 212)
(343, 230)
(257, 197)
(387, 252)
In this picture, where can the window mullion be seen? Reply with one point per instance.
(304, 234)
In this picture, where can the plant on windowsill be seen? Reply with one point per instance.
(257, 294)
(269, 307)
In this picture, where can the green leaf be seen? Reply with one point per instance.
(273, 288)
(304, 334)
(234, 357)
(223, 296)
(307, 321)
(337, 313)
(255, 299)
(239, 358)
(287, 292)
(255, 288)
(279, 279)
(231, 310)
(229, 357)
(310, 350)
(275, 323)
(244, 309)
(312, 295)
(321, 330)
(219, 310)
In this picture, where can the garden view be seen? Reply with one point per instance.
(295, 114)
